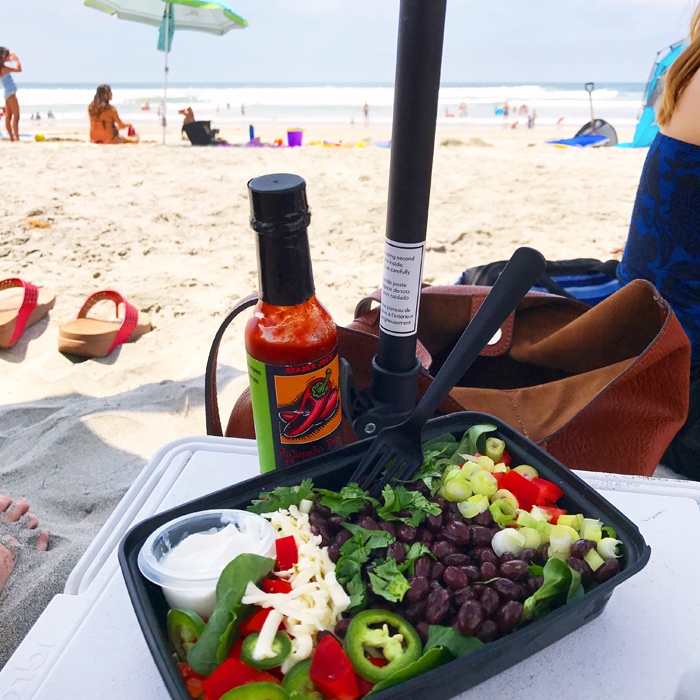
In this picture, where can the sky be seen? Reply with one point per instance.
(349, 41)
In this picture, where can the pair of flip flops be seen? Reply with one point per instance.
(22, 305)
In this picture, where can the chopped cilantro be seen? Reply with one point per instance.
(348, 501)
(398, 499)
(388, 581)
(416, 550)
(282, 497)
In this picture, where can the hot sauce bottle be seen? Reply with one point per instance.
(290, 338)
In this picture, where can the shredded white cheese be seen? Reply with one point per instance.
(316, 600)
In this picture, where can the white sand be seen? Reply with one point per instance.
(168, 227)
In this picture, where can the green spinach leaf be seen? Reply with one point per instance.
(434, 658)
(449, 638)
(282, 497)
(561, 584)
(474, 440)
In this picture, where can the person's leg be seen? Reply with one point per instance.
(8, 544)
(13, 104)
(8, 122)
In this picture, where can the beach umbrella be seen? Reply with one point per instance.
(211, 16)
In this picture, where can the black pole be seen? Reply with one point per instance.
(419, 56)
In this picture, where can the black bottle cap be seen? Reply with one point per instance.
(278, 201)
(279, 214)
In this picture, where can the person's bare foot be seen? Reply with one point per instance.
(13, 511)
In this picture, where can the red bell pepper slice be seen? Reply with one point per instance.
(548, 491)
(331, 671)
(376, 661)
(255, 622)
(235, 652)
(554, 512)
(505, 458)
(499, 478)
(276, 586)
(229, 675)
(265, 677)
(525, 491)
(363, 686)
(287, 553)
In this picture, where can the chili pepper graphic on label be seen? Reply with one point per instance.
(317, 406)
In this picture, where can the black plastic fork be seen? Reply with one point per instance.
(397, 451)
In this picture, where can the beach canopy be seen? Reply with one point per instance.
(646, 128)
(212, 17)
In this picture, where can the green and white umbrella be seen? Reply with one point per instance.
(214, 17)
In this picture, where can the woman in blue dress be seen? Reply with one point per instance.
(10, 91)
(664, 237)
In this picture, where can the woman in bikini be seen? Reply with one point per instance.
(10, 90)
(663, 245)
(104, 120)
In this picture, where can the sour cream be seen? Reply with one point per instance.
(206, 543)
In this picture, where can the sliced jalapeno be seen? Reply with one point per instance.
(256, 691)
(185, 627)
(370, 630)
(297, 679)
(281, 649)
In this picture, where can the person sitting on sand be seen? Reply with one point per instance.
(10, 89)
(663, 245)
(9, 545)
(104, 120)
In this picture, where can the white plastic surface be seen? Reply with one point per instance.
(87, 643)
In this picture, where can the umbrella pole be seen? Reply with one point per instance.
(419, 56)
(165, 75)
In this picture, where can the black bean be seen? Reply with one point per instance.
(455, 578)
(490, 602)
(463, 595)
(341, 627)
(415, 611)
(506, 589)
(420, 588)
(406, 533)
(472, 572)
(367, 509)
(527, 555)
(442, 548)
(507, 556)
(388, 527)
(485, 519)
(437, 606)
(509, 615)
(343, 536)
(488, 632)
(367, 522)
(434, 522)
(403, 513)
(322, 510)
(454, 508)
(534, 583)
(542, 555)
(456, 560)
(436, 571)
(470, 618)
(396, 551)
(514, 569)
(452, 517)
(582, 567)
(457, 532)
(478, 589)
(419, 486)
(315, 518)
(488, 571)
(580, 548)
(322, 531)
(335, 522)
(423, 628)
(424, 535)
(325, 633)
(606, 570)
(481, 536)
(440, 501)
(434, 583)
(485, 554)
(333, 553)
(422, 566)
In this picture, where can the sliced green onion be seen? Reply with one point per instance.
(574, 535)
(527, 471)
(486, 463)
(607, 548)
(507, 496)
(526, 520)
(593, 559)
(457, 489)
(470, 469)
(574, 521)
(539, 514)
(560, 542)
(508, 540)
(495, 449)
(503, 512)
(453, 471)
(591, 530)
(484, 483)
(473, 506)
(499, 467)
(533, 540)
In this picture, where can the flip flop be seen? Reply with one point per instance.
(97, 337)
(21, 305)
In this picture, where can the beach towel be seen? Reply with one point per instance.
(581, 141)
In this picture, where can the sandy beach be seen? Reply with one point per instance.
(168, 227)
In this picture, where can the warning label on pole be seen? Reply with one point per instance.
(403, 273)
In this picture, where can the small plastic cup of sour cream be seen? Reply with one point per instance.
(187, 555)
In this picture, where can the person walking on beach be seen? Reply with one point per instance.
(8, 84)
(104, 120)
(365, 109)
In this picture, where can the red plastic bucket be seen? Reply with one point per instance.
(294, 137)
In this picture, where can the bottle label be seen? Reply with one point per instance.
(401, 284)
(296, 410)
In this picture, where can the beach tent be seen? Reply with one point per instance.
(210, 16)
(646, 128)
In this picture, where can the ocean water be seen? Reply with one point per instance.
(304, 105)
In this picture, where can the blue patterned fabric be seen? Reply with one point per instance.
(663, 245)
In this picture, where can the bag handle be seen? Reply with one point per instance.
(211, 402)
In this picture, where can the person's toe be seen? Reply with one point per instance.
(21, 507)
(5, 502)
(32, 522)
(7, 559)
(43, 541)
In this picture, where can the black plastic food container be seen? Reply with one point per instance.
(331, 471)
